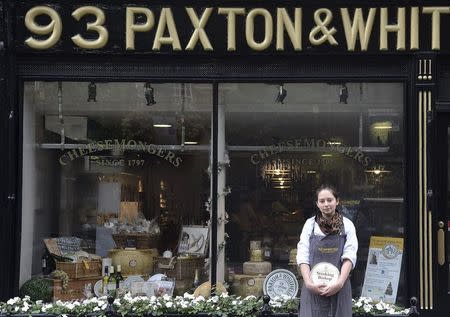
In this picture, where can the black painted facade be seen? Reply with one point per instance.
(113, 63)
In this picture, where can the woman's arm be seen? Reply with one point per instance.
(333, 288)
(351, 243)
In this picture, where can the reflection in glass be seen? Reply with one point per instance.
(117, 165)
(349, 135)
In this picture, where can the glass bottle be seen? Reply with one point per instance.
(197, 278)
(112, 279)
(46, 262)
(119, 277)
(105, 281)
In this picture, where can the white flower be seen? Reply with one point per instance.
(285, 297)
(70, 306)
(391, 311)
(45, 307)
(188, 296)
(12, 301)
(169, 304)
(379, 306)
(250, 297)
(96, 309)
(64, 315)
(224, 295)
(103, 307)
(367, 307)
(234, 302)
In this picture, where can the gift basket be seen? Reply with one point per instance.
(76, 269)
(138, 233)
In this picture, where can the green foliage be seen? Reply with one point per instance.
(37, 288)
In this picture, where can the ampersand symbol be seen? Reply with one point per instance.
(322, 27)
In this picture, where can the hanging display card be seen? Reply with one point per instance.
(383, 269)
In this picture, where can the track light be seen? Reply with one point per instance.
(92, 92)
(281, 95)
(343, 94)
(149, 94)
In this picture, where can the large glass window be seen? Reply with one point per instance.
(119, 174)
(115, 174)
(283, 142)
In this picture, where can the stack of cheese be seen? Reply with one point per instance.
(255, 271)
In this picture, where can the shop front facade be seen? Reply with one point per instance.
(188, 138)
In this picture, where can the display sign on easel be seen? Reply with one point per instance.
(383, 269)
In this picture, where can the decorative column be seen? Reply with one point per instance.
(425, 80)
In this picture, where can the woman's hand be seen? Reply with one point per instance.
(331, 289)
(315, 289)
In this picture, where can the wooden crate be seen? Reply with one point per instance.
(76, 270)
(74, 290)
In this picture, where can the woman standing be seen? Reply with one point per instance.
(327, 237)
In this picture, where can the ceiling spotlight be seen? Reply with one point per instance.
(149, 94)
(343, 94)
(92, 92)
(281, 95)
(162, 125)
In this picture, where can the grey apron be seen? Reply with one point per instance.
(338, 305)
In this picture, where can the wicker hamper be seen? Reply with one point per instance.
(180, 268)
(85, 268)
(139, 240)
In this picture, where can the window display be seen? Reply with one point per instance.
(112, 173)
(283, 142)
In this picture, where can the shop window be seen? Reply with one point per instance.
(283, 142)
(115, 174)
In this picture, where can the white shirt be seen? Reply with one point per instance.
(350, 246)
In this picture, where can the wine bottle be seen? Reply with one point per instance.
(111, 280)
(197, 278)
(105, 281)
(46, 263)
(119, 277)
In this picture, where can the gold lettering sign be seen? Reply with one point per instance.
(96, 26)
(54, 28)
(131, 27)
(260, 29)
